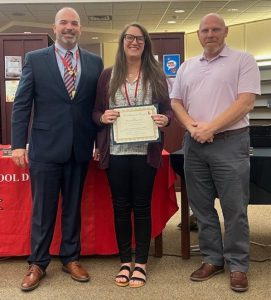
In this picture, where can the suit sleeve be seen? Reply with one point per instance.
(22, 107)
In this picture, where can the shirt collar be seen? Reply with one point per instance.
(63, 50)
(224, 52)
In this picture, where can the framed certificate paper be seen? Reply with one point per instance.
(135, 125)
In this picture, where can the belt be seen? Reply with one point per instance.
(224, 134)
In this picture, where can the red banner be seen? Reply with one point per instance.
(97, 235)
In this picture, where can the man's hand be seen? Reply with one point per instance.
(192, 128)
(202, 133)
(20, 157)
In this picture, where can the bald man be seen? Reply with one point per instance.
(59, 83)
(212, 96)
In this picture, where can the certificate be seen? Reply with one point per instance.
(11, 88)
(135, 124)
(13, 67)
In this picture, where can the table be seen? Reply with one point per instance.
(260, 187)
(97, 235)
(260, 173)
(177, 161)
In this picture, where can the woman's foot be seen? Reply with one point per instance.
(123, 277)
(138, 278)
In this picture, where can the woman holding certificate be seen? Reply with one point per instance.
(132, 104)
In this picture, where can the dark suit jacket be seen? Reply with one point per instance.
(59, 123)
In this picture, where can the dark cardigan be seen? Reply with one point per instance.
(103, 136)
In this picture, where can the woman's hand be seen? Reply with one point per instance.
(96, 154)
(160, 120)
(109, 116)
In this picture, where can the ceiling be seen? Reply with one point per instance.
(38, 16)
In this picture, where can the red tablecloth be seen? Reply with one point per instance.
(97, 235)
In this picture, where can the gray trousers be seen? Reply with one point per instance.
(220, 169)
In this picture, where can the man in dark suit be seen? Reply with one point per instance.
(58, 85)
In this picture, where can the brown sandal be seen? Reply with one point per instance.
(126, 282)
(141, 281)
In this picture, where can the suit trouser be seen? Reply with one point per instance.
(48, 180)
(131, 181)
(222, 169)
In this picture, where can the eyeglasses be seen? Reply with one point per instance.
(130, 38)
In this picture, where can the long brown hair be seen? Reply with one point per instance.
(150, 67)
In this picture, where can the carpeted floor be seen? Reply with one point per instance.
(168, 277)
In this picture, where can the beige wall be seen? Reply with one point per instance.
(192, 45)
(236, 37)
(252, 37)
(109, 51)
(258, 38)
(94, 48)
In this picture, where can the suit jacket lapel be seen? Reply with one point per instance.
(83, 63)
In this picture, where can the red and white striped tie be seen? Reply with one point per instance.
(69, 78)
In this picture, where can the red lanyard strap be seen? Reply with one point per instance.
(72, 70)
(136, 90)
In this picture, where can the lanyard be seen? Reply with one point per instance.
(72, 71)
(136, 90)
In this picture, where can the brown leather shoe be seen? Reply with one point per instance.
(32, 278)
(77, 271)
(206, 271)
(238, 281)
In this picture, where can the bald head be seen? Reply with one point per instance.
(64, 11)
(212, 33)
(67, 27)
(212, 16)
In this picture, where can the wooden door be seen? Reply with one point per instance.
(170, 43)
(14, 46)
